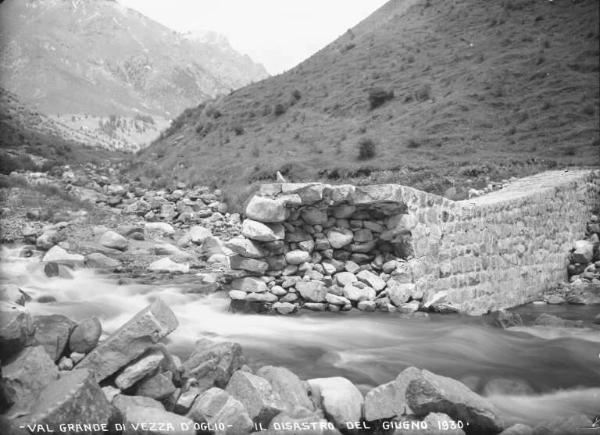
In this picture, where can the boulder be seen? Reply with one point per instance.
(198, 234)
(131, 340)
(261, 297)
(237, 295)
(257, 396)
(285, 307)
(216, 406)
(371, 279)
(85, 335)
(389, 400)
(266, 210)
(339, 237)
(297, 256)
(58, 255)
(546, 319)
(399, 293)
(339, 398)
(356, 293)
(74, 398)
(503, 319)
(262, 232)
(213, 363)
(158, 386)
(245, 247)
(238, 262)
(52, 332)
(288, 386)
(429, 392)
(314, 216)
(26, 375)
(52, 269)
(15, 327)
(100, 261)
(162, 228)
(312, 291)
(249, 284)
(345, 278)
(113, 240)
(168, 265)
(583, 252)
(139, 369)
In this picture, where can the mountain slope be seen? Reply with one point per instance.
(32, 141)
(437, 92)
(98, 58)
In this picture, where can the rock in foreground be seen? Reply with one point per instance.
(131, 340)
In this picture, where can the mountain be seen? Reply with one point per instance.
(72, 58)
(441, 95)
(32, 141)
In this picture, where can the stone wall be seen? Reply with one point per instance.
(394, 248)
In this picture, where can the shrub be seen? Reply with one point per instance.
(279, 109)
(378, 96)
(296, 94)
(10, 163)
(238, 130)
(366, 149)
(423, 93)
(413, 143)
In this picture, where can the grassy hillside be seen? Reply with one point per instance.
(430, 93)
(32, 141)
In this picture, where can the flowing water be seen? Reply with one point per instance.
(559, 366)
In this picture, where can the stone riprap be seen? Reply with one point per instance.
(395, 248)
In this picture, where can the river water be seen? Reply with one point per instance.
(558, 367)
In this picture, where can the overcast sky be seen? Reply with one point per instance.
(277, 33)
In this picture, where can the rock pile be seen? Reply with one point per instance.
(130, 379)
(324, 247)
(131, 383)
(583, 270)
(585, 255)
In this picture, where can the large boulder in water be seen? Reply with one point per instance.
(85, 335)
(131, 340)
(503, 319)
(339, 398)
(74, 398)
(53, 333)
(216, 406)
(213, 363)
(429, 392)
(56, 254)
(257, 396)
(114, 240)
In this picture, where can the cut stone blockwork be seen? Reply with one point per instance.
(395, 248)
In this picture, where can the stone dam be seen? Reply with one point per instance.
(395, 248)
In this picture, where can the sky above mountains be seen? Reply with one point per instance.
(277, 33)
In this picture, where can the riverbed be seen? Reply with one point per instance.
(554, 371)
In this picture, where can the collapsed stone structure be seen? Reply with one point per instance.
(395, 248)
